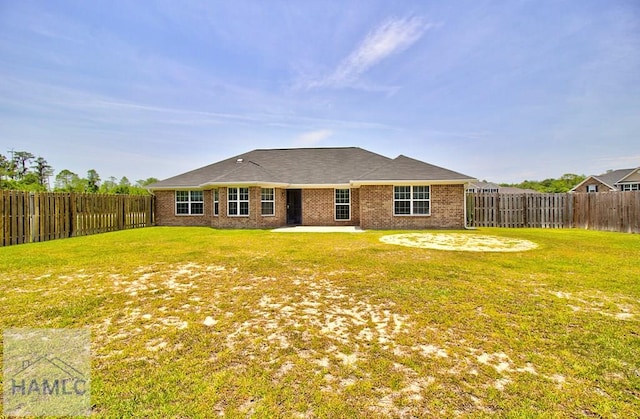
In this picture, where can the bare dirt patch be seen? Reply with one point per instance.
(460, 242)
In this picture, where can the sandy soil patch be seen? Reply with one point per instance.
(460, 242)
(621, 308)
(316, 319)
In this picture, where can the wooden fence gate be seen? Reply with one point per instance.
(34, 217)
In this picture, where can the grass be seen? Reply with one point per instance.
(340, 325)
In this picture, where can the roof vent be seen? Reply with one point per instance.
(239, 160)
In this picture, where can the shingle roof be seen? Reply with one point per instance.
(406, 168)
(614, 176)
(308, 166)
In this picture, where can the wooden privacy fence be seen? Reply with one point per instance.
(34, 217)
(612, 211)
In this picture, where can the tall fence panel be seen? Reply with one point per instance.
(612, 211)
(29, 217)
(519, 210)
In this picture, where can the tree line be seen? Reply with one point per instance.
(564, 183)
(24, 171)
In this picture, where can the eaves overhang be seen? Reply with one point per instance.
(358, 183)
(244, 184)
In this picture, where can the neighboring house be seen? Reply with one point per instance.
(315, 187)
(490, 187)
(613, 181)
(483, 187)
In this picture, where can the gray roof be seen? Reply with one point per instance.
(614, 176)
(309, 166)
(406, 168)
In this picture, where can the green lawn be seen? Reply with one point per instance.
(196, 322)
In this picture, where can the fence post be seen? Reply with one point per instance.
(121, 222)
(31, 217)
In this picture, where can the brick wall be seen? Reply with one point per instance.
(447, 210)
(318, 208)
(166, 211)
(255, 218)
(371, 208)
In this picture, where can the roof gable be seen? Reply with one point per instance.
(632, 176)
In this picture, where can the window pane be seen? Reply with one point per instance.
(233, 208)
(267, 194)
(420, 192)
(402, 207)
(342, 196)
(182, 196)
(216, 208)
(197, 196)
(342, 212)
(267, 208)
(182, 208)
(233, 194)
(244, 208)
(197, 208)
(244, 194)
(402, 192)
(421, 207)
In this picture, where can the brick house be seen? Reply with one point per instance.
(621, 180)
(313, 187)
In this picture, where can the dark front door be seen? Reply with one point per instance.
(294, 206)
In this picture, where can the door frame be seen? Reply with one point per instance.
(294, 207)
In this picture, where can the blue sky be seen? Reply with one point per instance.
(499, 90)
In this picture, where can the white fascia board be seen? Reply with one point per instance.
(174, 188)
(412, 182)
(320, 186)
(210, 185)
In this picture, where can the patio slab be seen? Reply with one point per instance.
(319, 229)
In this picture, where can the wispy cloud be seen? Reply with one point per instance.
(391, 37)
(312, 138)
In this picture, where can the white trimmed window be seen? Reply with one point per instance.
(267, 201)
(592, 188)
(629, 187)
(411, 200)
(216, 203)
(238, 202)
(189, 202)
(343, 204)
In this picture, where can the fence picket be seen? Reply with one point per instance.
(40, 216)
(613, 211)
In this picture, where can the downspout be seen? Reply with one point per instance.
(464, 203)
